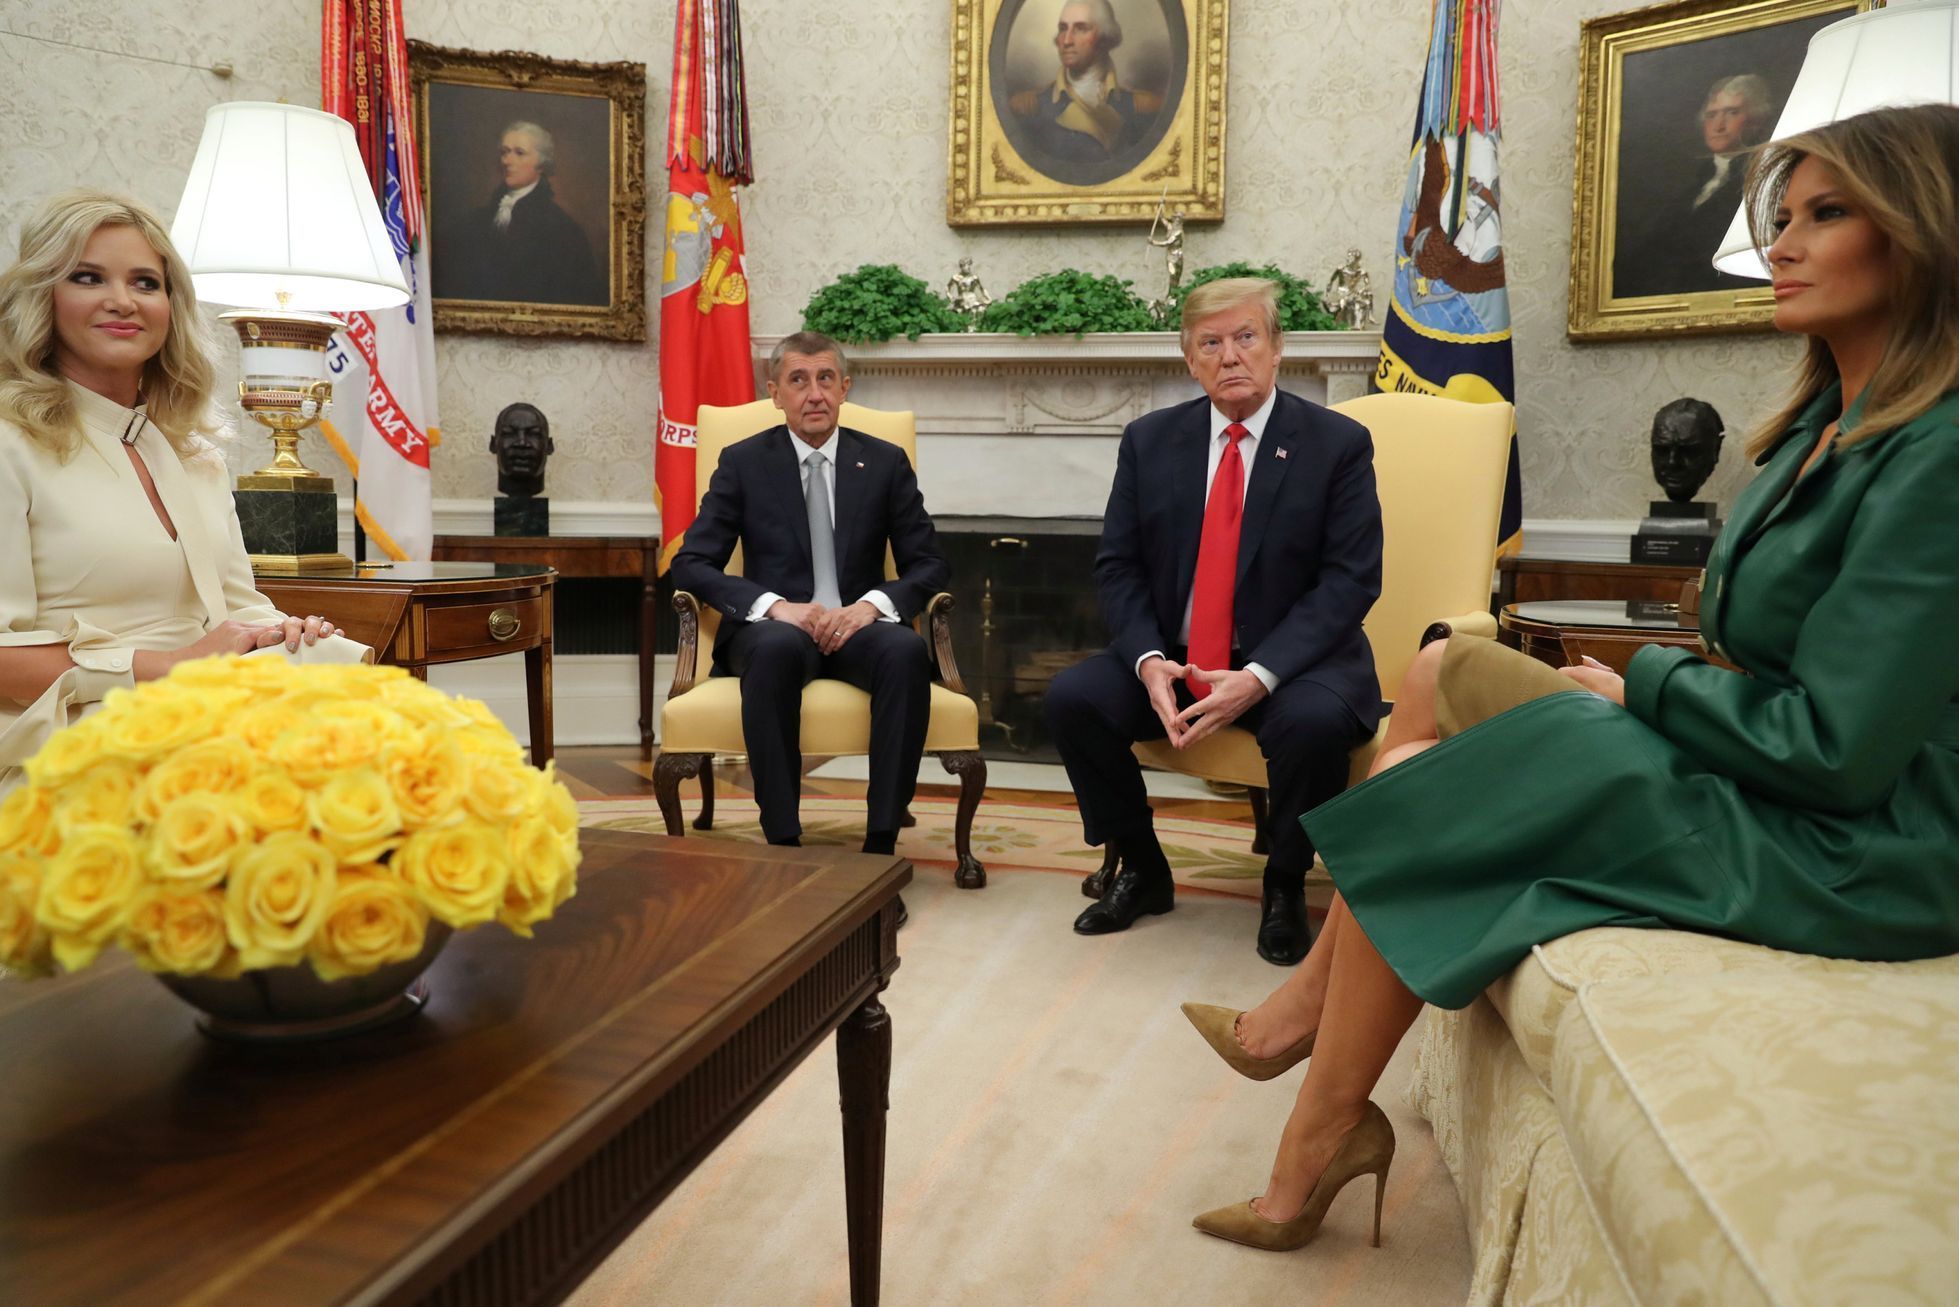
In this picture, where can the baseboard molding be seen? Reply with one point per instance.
(569, 517)
(1584, 540)
(594, 699)
(1580, 540)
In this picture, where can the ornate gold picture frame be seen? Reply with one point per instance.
(1672, 100)
(1093, 119)
(535, 178)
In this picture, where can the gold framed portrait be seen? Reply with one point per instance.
(534, 173)
(1086, 111)
(1673, 100)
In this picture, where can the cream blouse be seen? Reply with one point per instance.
(85, 561)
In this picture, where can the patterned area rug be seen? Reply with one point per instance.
(1207, 855)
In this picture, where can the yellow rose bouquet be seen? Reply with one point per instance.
(245, 813)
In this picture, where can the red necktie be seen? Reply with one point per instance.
(1217, 565)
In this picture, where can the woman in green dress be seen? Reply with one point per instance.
(1809, 801)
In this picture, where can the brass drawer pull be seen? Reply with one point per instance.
(503, 624)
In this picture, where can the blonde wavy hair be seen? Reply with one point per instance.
(1229, 293)
(177, 382)
(1899, 167)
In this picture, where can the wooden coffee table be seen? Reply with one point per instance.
(492, 1149)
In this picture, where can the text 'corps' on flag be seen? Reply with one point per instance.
(704, 340)
(1448, 326)
(383, 364)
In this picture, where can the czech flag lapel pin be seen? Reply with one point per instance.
(1279, 451)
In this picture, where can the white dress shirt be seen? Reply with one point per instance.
(509, 202)
(759, 610)
(1248, 455)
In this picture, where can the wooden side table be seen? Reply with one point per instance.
(1563, 632)
(419, 614)
(582, 556)
(1527, 580)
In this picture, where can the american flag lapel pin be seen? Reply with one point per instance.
(860, 466)
(1279, 451)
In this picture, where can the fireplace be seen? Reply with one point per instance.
(1026, 609)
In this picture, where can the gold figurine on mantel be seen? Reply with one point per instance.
(1349, 294)
(967, 296)
(1172, 245)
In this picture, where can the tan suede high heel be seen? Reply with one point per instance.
(1367, 1149)
(1219, 1026)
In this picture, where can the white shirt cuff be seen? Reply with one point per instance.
(1154, 653)
(1265, 678)
(100, 670)
(760, 608)
(882, 602)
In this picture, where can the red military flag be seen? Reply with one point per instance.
(704, 347)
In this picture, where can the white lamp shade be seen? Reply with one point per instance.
(1905, 54)
(278, 212)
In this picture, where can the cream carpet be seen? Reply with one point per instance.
(1055, 1123)
(1205, 852)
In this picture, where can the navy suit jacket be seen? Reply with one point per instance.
(1309, 549)
(755, 499)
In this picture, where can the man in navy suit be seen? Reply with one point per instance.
(814, 506)
(1240, 550)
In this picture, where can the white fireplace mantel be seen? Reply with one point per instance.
(1027, 426)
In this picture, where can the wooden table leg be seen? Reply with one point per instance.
(649, 608)
(537, 690)
(864, 1077)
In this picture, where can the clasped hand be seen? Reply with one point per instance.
(232, 637)
(828, 627)
(1599, 679)
(1231, 694)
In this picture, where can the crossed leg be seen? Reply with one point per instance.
(1345, 991)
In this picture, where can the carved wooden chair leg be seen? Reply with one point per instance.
(706, 820)
(668, 771)
(970, 768)
(1259, 816)
(1096, 883)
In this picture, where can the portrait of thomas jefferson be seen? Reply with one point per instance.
(1691, 117)
(518, 242)
(1094, 102)
(1693, 202)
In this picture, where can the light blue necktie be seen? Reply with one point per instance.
(822, 539)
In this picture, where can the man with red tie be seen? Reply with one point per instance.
(1240, 550)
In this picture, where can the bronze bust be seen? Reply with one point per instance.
(522, 442)
(1686, 446)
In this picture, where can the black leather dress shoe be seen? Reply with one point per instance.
(1283, 935)
(1128, 897)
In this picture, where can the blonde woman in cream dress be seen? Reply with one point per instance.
(120, 553)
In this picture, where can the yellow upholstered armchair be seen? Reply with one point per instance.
(1439, 468)
(702, 716)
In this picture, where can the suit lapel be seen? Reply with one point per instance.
(180, 501)
(784, 471)
(848, 468)
(1189, 489)
(1262, 490)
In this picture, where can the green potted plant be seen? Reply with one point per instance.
(878, 301)
(1068, 304)
(1300, 308)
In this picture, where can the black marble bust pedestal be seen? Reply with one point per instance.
(297, 528)
(1674, 533)
(522, 515)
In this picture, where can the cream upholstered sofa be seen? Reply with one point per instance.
(1654, 1117)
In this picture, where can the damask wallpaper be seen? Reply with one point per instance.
(849, 106)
